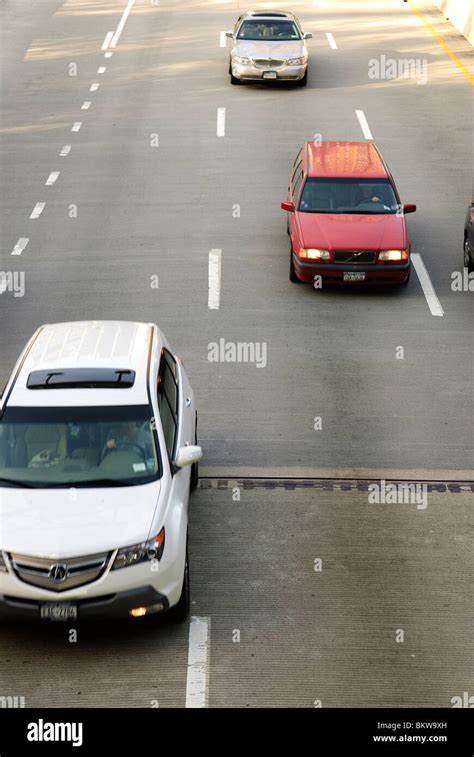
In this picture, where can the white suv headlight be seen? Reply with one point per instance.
(137, 553)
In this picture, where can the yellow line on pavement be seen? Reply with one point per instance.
(442, 43)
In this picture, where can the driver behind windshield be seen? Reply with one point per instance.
(130, 435)
(366, 194)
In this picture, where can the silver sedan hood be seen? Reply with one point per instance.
(275, 50)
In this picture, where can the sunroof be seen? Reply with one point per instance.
(81, 378)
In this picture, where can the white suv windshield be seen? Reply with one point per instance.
(81, 447)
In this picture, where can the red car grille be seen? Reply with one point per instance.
(354, 256)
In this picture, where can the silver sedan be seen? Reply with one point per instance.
(268, 45)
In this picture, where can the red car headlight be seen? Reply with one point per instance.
(314, 254)
(393, 256)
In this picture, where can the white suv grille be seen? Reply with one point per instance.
(59, 575)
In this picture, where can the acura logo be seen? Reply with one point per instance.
(58, 572)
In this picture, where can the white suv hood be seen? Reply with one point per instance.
(61, 523)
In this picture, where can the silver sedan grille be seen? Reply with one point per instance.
(268, 62)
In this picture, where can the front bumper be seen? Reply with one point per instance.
(250, 72)
(105, 606)
(332, 273)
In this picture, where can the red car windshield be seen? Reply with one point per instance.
(359, 196)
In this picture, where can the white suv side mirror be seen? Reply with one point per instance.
(229, 34)
(308, 35)
(188, 455)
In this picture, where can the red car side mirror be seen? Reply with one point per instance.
(409, 208)
(287, 206)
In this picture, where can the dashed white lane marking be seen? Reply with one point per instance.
(222, 39)
(52, 178)
(363, 124)
(108, 55)
(198, 662)
(331, 40)
(427, 286)
(94, 87)
(65, 151)
(37, 210)
(122, 22)
(107, 40)
(221, 122)
(76, 126)
(20, 246)
(214, 294)
(86, 105)
(102, 69)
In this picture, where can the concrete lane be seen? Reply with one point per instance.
(382, 620)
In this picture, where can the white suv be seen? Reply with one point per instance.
(98, 452)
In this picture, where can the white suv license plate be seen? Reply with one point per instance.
(351, 276)
(270, 75)
(58, 611)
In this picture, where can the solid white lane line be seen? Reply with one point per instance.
(20, 246)
(222, 39)
(363, 124)
(122, 22)
(65, 151)
(76, 126)
(221, 122)
(51, 178)
(106, 41)
(101, 69)
(331, 40)
(214, 294)
(86, 105)
(426, 284)
(37, 210)
(94, 87)
(108, 55)
(198, 662)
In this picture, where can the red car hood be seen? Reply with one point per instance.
(331, 231)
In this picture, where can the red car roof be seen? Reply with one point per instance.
(350, 160)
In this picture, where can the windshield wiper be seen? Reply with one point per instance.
(95, 483)
(19, 484)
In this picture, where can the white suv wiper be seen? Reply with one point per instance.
(19, 484)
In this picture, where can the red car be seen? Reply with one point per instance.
(345, 220)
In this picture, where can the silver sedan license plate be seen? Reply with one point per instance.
(270, 75)
(352, 276)
(58, 611)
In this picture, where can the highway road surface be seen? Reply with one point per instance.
(138, 184)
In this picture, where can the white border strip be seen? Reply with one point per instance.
(52, 178)
(215, 266)
(331, 40)
(37, 210)
(363, 124)
(198, 662)
(220, 122)
(427, 286)
(122, 22)
(20, 246)
(107, 40)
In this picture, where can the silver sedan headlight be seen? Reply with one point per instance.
(242, 60)
(295, 61)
